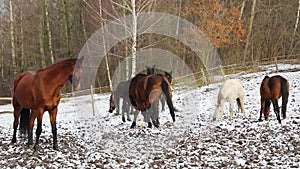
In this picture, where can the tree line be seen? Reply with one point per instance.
(38, 33)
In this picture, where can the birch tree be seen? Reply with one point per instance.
(12, 38)
(249, 31)
(65, 4)
(295, 28)
(48, 31)
(41, 36)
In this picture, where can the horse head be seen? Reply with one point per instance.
(169, 76)
(150, 70)
(77, 73)
(112, 105)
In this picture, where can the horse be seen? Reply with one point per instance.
(271, 89)
(232, 89)
(145, 90)
(40, 91)
(122, 92)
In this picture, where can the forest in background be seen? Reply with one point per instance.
(38, 33)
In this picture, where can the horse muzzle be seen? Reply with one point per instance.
(76, 87)
(111, 109)
(267, 113)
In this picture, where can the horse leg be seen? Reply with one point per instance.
(128, 110)
(33, 116)
(283, 109)
(17, 111)
(262, 108)
(276, 110)
(155, 112)
(147, 116)
(53, 114)
(38, 129)
(231, 109)
(123, 110)
(133, 125)
(240, 101)
(163, 102)
(117, 104)
(243, 107)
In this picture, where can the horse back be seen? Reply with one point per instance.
(231, 89)
(122, 89)
(278, 86)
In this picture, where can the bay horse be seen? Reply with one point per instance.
(40, 91)
(145, 90)
(232, 89)
(271, 89)
(122, 92)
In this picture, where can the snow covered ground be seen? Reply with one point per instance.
(104, 141)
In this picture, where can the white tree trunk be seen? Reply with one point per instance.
(134, 38)
(22, 39)
(249, 31)
(295, 28)
(2, 49)
(297, 20)
(104, 47)
(242, 9)
(12, 38)
(49, 31)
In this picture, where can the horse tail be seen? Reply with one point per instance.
(165, 88)
(24, 120)
(285, 94)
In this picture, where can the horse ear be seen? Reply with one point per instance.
(170, 72)
(80, 60)
(153, 66)
(146, 67)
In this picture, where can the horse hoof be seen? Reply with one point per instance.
(128, 119)
(123, 119)
(149, 125)
(36, 147)
(174, 125)
(55, 146)
(133, 125)
(14, 140)
(260, 120)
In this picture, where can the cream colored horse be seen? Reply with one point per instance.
(231, 90)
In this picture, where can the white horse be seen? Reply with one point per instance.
(231, 90)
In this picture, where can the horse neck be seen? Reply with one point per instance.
(59, 73)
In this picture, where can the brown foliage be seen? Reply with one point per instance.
(221, 25)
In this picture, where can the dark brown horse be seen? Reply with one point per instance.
(40, 91)
(122, 92)
(271, 89)
(145, 90)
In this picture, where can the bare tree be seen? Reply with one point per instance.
(12, 33)
(249, 31)
(295, 28)
(48, 31)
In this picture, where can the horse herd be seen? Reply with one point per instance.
(40, 91)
